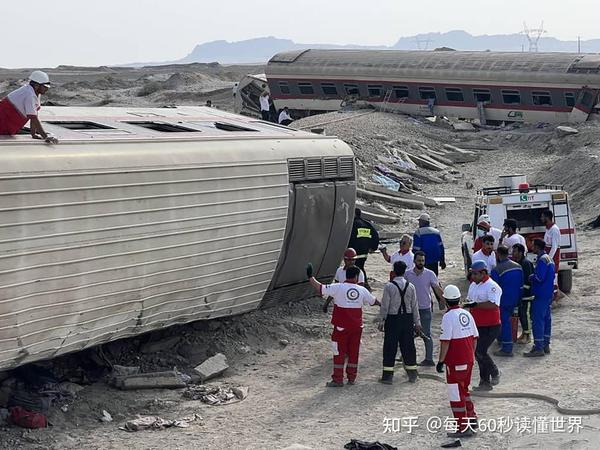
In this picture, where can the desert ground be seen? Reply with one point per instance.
(283, 354)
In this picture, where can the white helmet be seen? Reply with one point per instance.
(39, 77)
(484, 218)
(451, 292)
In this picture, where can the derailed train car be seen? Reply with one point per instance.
(145, 218)
(489, 86)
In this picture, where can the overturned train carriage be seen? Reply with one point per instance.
(145, 218)
(489, 86)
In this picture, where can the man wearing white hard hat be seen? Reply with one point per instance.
(22, 106)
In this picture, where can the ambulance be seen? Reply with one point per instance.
(516, 199)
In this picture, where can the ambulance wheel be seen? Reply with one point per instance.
(565, 280)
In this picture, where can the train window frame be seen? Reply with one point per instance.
(375, 90)
(81, 125)
(351, 89)
(541, 98)
(306, 88)
(570, 99)
(329, 89)
(398, 89)
(480, 91)
(457, 92)
(162, 127)
(424, 90)
(508, 94)
(284, 88)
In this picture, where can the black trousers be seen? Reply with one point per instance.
(399, 331)
(487, 367)
(360, 263)
(525, 315)
(265, 115)
(433, 268)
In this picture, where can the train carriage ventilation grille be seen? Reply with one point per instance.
(311, 169)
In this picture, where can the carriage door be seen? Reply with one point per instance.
(586, 100)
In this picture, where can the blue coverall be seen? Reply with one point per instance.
(509, 275)
(542, 288)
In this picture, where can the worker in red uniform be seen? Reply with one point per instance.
(22, 106)
(552, 240)
(458, 340)
(348, 300)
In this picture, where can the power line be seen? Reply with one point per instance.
(533, 35)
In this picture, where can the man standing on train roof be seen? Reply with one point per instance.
(485, 228)
(22, 106)
(348, 300)
(364, 239)
(403, 254)
(340, 273)
(429, 240)
(510, 237)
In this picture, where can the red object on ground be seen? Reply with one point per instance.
(27, 419)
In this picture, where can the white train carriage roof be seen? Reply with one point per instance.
(578, 69)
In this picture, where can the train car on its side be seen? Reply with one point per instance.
(143, 218)
(489, 86)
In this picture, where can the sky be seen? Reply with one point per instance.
(46, 33)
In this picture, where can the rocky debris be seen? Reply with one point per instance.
(158, 423)
(216, 394)
(171, 379)
(105, 417)
(394, 200)
(463, 126)
(167, 344)
(284, 342)
(565, 131)
(212, 367)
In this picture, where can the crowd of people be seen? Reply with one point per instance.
(503, 284)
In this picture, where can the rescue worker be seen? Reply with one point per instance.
(399, 320)
(284, 117)
(364, 239)
(510, 237)
(552, 240)
(520, 257)
(348, 299)
(22, 105)
(429, 240)
(458, 340)
(484, 297)
(509, 276)
(403, 254)
(424, 280)
(265, 106)
(542, 287)
(340, 273)
(486, 253)
(485, 228)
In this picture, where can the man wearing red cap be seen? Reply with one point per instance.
(340, 273)
(485, 228)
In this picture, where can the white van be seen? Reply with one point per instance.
(511, 200)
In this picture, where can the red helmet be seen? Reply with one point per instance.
(350, 253)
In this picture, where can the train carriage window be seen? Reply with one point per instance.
(163, 127)
(454, 95)
(329, 89)
(79, 125)
(284, 87)
(306, 88)
(482, 95)
(541, 98)
(511, 97)
(401, 92)
(351, 89)
(375, 91)
(570, 99)
(426, 93)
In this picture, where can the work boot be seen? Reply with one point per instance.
(525, 338)
(483, 386)
(387, 377)
(495, 380)
(534, 353)
(334, 384)
(502, 353)
(427, 363)
(412, 375)
(547, 349)
(351, 382)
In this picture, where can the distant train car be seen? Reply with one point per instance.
(489, 86)
(143, 218)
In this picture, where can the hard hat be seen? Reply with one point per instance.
(484, 218)
(425, 217)
(451, 292)
(478, 266)
(350, 253)
(39, 77)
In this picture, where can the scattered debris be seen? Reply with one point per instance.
(463, 126)
(157, 423)
(212, 367)
(23, 418)
(445, 199)
(216, 394)
(284, 342)
(171, 379)
(355, 444)
(106, 417)
(167, 344)
(565, 131)
(386, 198)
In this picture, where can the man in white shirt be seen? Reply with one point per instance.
(510, 236)
(403, 254)
(486, 254)
(552, 240)
(22, 106)
(284, 117)
(265, 106)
